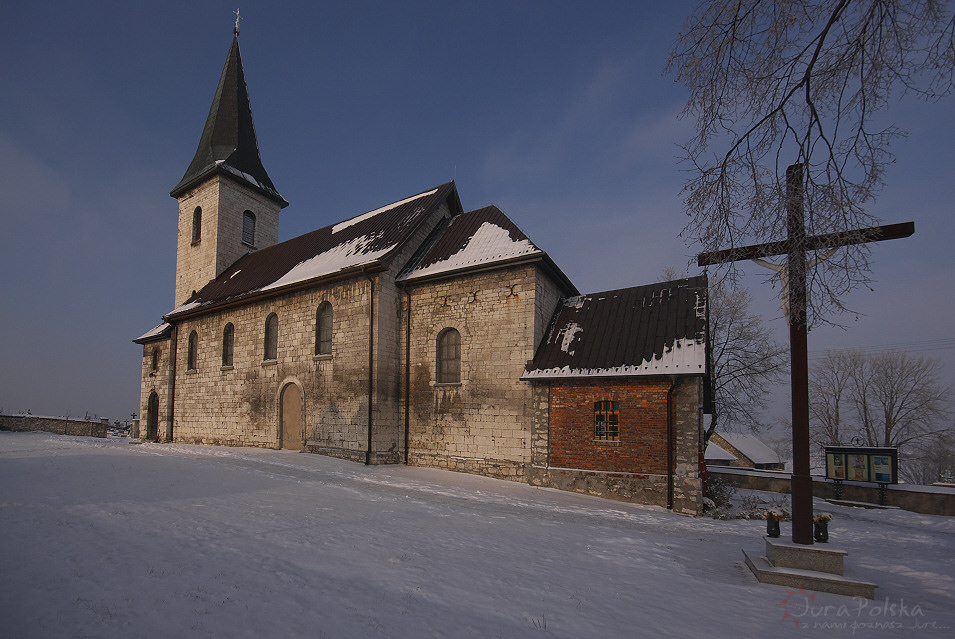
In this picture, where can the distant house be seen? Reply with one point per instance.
(741, 450)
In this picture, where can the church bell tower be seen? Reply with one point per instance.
(228, 206)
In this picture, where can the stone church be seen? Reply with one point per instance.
(416, 333)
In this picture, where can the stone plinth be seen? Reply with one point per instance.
(807, 567)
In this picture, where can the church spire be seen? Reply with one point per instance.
(228, 145)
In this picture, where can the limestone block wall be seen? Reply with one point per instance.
(633, 468)
(223, 202)
(239, 404)
(155, 377)
(482, 424)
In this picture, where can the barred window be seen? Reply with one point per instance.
(248, 228)
(271, 337)
(228, 341)
(323, 329)
(449, 357)
(192, 358)
(606, 420)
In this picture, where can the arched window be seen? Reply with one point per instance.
(248, 228)
(228, 341)
(155, 363)
(197, 225)
(271, 337)
(449, 357)
(192, 361)
(323, 329)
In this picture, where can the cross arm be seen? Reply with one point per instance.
(813, 243)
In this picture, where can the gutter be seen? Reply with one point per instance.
(171, 398)
(371, 360)
(670, 442)
(407, 433)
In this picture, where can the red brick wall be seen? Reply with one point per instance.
(643, 426)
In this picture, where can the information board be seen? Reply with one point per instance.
(865, 463)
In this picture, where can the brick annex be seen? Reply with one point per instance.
(416, 333)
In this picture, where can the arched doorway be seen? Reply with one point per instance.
(152, 417)
(292, 417)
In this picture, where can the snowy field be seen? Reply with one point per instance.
(101, 538)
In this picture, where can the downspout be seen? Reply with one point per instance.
(371, 360)
(407, 435)
(670, 442)
(171, 398)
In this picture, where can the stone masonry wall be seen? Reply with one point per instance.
(223, 202)
(481, 425)
(239, 404)
(155, 380)
(58, 425)
(634, 468)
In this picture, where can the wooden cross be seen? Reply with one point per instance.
(795, 248)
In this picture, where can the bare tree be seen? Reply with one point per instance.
(892, 399)
(828, 391)
(802, 81)
(745, 358)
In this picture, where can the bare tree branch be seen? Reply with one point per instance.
(802, 81)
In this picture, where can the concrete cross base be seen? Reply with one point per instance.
(806, 567)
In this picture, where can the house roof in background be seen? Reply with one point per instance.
(658, 329)
(751, 446)
(715, 452)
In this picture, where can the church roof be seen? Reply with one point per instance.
(228, 145)
(366, 242)
(476, 239)
(658, 329)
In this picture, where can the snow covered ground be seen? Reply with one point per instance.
(101, 538)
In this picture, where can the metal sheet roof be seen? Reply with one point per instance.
(658, 329)
(228, 144)
(368, 240)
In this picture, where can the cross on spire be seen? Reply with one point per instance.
(235, 29)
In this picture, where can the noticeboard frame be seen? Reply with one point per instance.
(876, 465)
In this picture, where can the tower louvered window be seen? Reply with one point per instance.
(197, 225)
(248, 228)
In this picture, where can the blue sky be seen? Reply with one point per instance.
(557, 112)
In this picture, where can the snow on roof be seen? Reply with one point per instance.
(686, 357)
(715, 452)
(348, 254)
(752, 446)
(370, 238)
(490, 243)
(658, 329)
(341, 226)
(154, 332)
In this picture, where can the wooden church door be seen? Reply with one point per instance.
(292, 417)
(152, 417)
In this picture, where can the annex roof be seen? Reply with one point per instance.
(368, 241)
(658, 329)
(228, 144)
